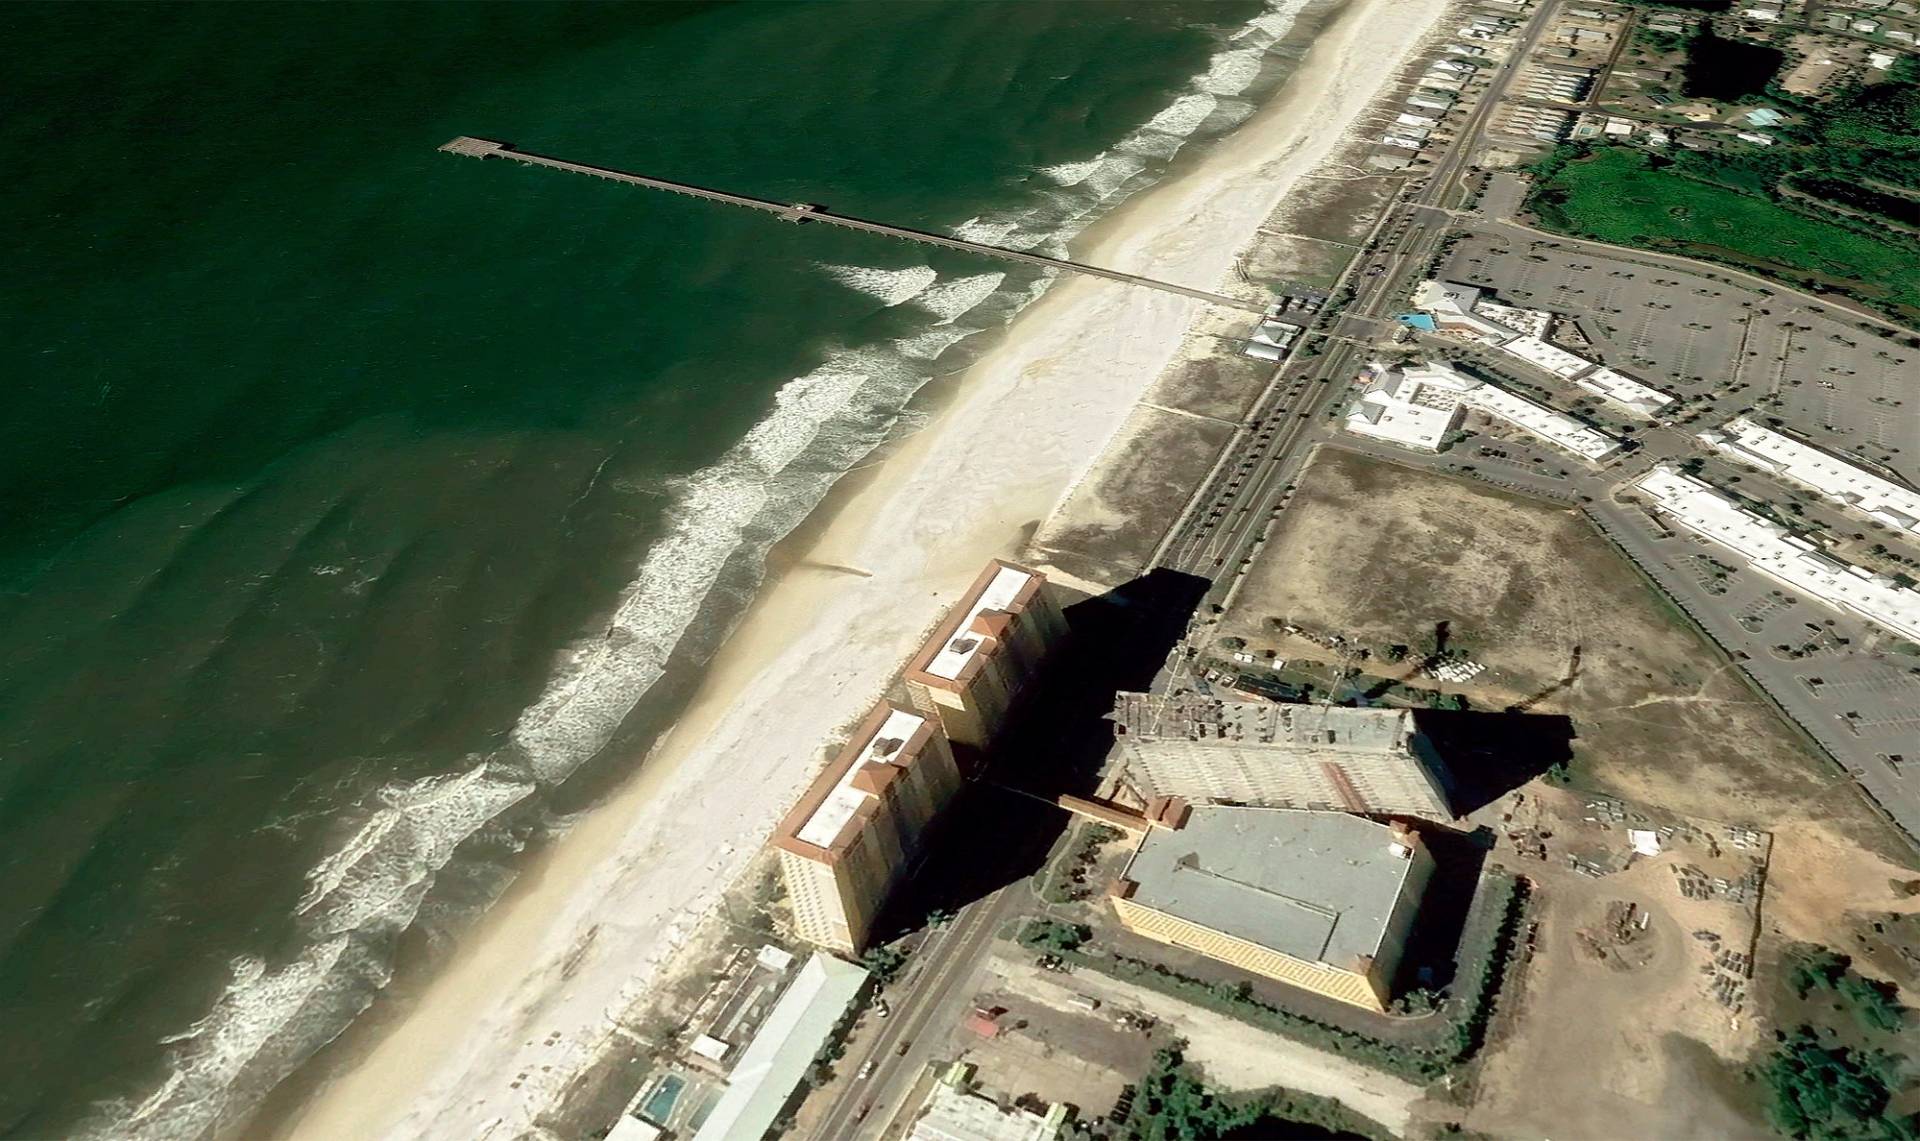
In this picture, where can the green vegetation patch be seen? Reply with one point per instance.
(1627, 197)
(1837, 1074)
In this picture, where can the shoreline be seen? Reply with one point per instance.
(847, 595)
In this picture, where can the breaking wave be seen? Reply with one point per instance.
(952, 300)
(889, 286)
(723, 519)
(1073, 173)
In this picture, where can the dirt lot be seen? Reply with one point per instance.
(1593, 1053)
(1232, 1054)
(1047, 1045)
(1565, 626)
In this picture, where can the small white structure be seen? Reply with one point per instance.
(1754, 137)
(711, 1048)
(950, 1113)
(633, 1129)
(1778, 553)
(1832, 477)
(1416, 405)
(1881, 61)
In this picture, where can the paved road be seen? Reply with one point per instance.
(1235, 507)
(924, 1007)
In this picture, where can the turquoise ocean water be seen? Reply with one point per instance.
(358, 496)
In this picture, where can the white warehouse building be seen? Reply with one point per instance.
(1773, 550)
(1832, 477)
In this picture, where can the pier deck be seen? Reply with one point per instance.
(802, 212)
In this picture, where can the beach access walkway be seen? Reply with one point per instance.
(803, 212)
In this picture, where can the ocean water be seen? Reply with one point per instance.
(364, 505)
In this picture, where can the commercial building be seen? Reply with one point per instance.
(773, 1063)
(1321, 900)
(1465, 310)
(1197, 748)
(858, 827)
(1400, 406)
(1547, 357)
(1832, 477)
(1416, 405)
(1623, 391)
(1789, 559)
(972, 670)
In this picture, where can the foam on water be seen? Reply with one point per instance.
(951, 300)
(994, 233)
(1073, 173)
(890, 286)
(271, 1017)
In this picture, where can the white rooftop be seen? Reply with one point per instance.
(1623, 390)
(1831, 476)
(1550, 357)
(1414, 406)
(1775, 551)
(1556, 428)
(839, 806)
(998, 594)
(782, 1049)
(1452, 303)
(954, 1115)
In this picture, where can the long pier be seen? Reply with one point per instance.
(802, 212)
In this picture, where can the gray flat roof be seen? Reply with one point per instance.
(1319, 886)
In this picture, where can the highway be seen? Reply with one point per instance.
(925, 1005)
(1236, 505)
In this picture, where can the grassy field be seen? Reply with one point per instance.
(1619, 196)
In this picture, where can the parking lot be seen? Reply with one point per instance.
(1722, 346)
(1857, 698)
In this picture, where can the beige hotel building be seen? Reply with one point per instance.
(860, 824)
(972, 670)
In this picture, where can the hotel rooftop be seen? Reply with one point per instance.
(1522, 333)
(887, 742)
(983, 614)
(1414, 406)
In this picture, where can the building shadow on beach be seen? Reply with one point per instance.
(1001, 826)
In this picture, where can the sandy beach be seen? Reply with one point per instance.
(581, 937)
